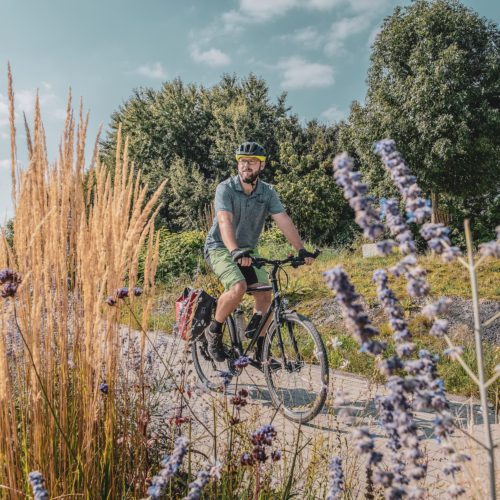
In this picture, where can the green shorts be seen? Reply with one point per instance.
(230, 273)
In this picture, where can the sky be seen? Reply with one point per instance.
(316, 50)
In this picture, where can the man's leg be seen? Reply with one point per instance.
(262, 302)
(235, 285)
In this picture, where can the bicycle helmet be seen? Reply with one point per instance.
(251, 149)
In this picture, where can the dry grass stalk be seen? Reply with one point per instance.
(77, 238)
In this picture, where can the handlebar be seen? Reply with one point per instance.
(293, 260)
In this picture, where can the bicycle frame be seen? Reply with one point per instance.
(275, 307)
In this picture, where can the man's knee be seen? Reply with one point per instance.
(239, 288)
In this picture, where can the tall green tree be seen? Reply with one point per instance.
(434, 87)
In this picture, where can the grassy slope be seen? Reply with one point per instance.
(308, 293)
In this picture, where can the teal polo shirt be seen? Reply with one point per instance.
(249, 211)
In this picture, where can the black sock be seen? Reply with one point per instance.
(215, 326)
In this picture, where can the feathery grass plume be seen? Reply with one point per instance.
(76, 233)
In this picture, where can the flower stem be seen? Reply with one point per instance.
(480, 367)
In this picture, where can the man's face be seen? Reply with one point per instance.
(249, 169)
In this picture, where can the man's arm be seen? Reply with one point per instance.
(287, 227)
(225, 220)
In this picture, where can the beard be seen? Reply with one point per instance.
(249, 177)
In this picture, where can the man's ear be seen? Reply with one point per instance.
(262, 164)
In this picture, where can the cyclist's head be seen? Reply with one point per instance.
(251, 150)
(251, 158)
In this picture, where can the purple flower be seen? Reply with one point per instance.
(9, 290)
(226, 378)
(492, 248)
(103, 387)
(438, 308)
(416, 207)
(264, 435)
(276, 455)
(111, 301)
(121, 293)
(399, 228)
(7, 276)
(367, 216)
(352, 311)
(37, 482)
(439, 328)
(242, 362)
(437, 238)
(391, 307)
(195, 487)
(246, 459)
(336, 476)
(137, 291)
(169, 467)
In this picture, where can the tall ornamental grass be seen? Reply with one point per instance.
(77, 234)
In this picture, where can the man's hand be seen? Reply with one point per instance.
(241, 257)
(307, 256)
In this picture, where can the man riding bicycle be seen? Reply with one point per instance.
(242, 204)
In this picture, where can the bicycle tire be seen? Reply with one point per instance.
(292, 401)
(208, 370)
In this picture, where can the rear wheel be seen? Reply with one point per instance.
(297, 381)
(210, 372)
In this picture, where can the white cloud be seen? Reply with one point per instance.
(154, 71)
(333, 114)
(306, 37)
(341, 30)
(300, 74)
(4, 164)
(213, 57)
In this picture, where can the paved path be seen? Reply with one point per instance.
(326, 434)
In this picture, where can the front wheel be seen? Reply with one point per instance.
(296, 367)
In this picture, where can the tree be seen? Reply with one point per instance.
(308, 190)
(434, 87)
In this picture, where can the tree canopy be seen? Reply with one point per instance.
(434, 87)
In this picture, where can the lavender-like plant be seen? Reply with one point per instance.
(336, 475)
(352, 310)
(37, 482)
(169, 467)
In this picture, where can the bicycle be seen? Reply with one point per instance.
(294, 359)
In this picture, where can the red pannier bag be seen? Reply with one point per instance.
(193, 312)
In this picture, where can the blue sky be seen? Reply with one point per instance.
(316, 50)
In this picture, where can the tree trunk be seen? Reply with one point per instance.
(438, 215)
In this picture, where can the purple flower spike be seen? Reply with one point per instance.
(121, 293)
(437, 238)
(170, 465)
(111, 301)
(246, 459)
(337, 482)
(416, 207)
(242, 362)
(9, 290)
(276, 455)
(7, 276)
(37, 482)
(352, 311)
(103, 387)
(492, 248)
(367, 216)
(137, 291)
